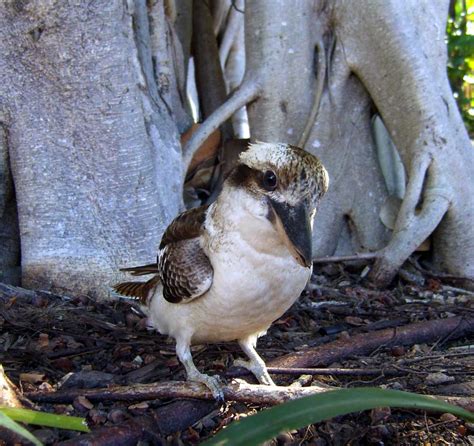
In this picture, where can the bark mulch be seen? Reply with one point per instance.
(98, 360)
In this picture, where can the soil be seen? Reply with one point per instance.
(50, 342)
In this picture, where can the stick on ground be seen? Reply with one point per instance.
(366, 343)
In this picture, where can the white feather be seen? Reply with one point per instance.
(256, 279)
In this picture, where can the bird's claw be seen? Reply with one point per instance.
(213, 383)
(257, 369)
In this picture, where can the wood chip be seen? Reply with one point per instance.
(32, 378)
(83, 401)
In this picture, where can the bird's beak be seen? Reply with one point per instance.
(293, 223)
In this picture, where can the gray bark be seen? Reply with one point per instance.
(379, 56)
(232, 56)
(169, 66)
(93, 148)
(417, 105)
(92, 103)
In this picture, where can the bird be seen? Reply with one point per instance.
(226, 271)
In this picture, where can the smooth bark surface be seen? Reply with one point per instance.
(326, 83)
(93, 148)
(425, 124)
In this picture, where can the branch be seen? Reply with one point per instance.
(356, 256)
(236, 391)
(366, 343)
(246, 93)
(334, 371)
(8, 292)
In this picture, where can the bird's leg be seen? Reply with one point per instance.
(255, 363)
(183, 350)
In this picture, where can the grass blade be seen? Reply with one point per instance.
(8, 423)
(267, 424)
(46, 419)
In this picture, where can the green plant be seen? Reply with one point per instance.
(10, 416)
(312, 409)
(460, 39)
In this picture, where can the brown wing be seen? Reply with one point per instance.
(185, 271)
(185, 226)
(183, 267)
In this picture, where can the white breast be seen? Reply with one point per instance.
(255, 279)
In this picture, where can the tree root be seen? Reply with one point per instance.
(419, 332)
(248, 91)
(413, 225)
(236, 20)
(366, 343)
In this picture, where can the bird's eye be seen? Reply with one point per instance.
(270, 180)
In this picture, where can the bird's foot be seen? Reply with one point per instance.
(213, 383)
(259, 370)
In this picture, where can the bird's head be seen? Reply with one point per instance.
(289, 183)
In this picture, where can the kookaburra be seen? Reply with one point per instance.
(226, 271)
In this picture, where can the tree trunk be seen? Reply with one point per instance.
(417, 105)
(92, 104)
(94, 149)
(317, 73)
(341, 135)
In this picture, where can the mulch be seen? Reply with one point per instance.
(79, 349)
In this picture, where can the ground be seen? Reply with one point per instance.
(52, 342)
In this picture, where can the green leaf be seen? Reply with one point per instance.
(312, 409)
(46, 419)
(8, 423)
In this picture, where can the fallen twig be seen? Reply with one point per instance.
(236, 391)
(366, 343)
(336, 371)
(334, 259)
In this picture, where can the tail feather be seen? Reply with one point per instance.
(137, 290)
(141, 270)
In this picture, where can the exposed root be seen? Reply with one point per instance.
(231, 32)
(413, 225)
(366, 343)
(247, 92)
